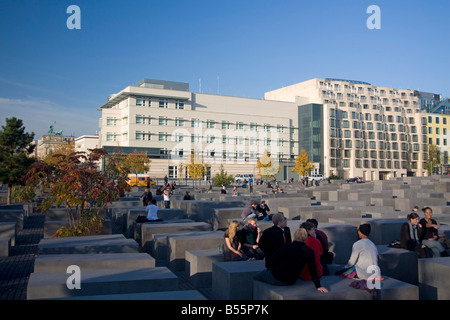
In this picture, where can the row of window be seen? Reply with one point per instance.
(340, 114)
(360, 90)
(196, 123)
(382, 145)
(162, 103)
(436, 120)
(373, 154)
(374, 164)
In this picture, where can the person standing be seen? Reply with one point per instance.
(166, 197)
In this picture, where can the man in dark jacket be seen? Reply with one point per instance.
(288, 261)
(274, 237)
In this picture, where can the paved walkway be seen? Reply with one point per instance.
(15, 270)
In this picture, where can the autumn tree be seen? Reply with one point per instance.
(267, 167)
(196, 167)
(136, 162)
(433, 158)
(303, 165)
(16, 149)
(72, 180)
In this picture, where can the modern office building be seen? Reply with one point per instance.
(366, 131)
(349, 128)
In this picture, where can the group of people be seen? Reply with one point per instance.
(421, 235)
(258, 211)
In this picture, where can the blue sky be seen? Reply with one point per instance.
(244, 48)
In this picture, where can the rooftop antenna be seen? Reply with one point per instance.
(218, 84)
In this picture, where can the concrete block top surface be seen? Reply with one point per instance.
(241, 266)
(103, 275)
(80, 257)
(204, 252)
(86, 241)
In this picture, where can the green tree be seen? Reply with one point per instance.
(223, 178)
(73, 181)
(432, 159)
(16, 149)
(303, 165)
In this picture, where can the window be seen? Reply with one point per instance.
(139, 135)
(162, 136)
(179, 105)
(163, 103)
(225, 125)
(163, 121)
(239, 126)
(179, 122)
(110, 136)
(140, 101)
(111, 121)
(140, 119)
(210, 124)
(195, 123)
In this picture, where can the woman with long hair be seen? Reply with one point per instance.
(232, 248)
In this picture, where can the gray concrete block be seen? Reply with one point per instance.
(234, 280)
(399, 264)
(198, 266)
(338, 289)
(148, 230)
(434, 282)
(114, 243)
(5, 247)
(50, 227)
(13, 215)
(340, 240)
(300, 212)
(164, 214)
(9, 230)
(203, 210)
(406, 204)
(223, 215)
(384, 231)
(151, 296)
(178, 244)
(90, 261)
(44, 285)
(275, 203)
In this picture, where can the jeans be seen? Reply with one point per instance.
(435, 246)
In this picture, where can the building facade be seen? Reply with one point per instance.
(368, 131)
(348, 128)
(170, 123)
(438, 126)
